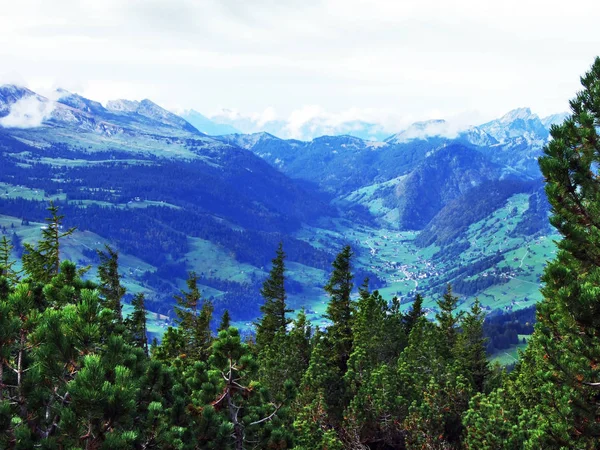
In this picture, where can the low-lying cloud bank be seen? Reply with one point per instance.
(28, 112)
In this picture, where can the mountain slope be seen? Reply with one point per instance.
(207, 126)
(159, 190)
(440, 178)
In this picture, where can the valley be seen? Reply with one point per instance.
(419, 209)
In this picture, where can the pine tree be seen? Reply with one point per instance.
(247, 405)
(42, 261)
(110, 286)
(414, 314)
(136, 323)
(274, 309)
(569, 315)
(470, 348)
(225, 321)
(369, 339)
(172, 346)
(374, 329)
(551, 398)
(188, 303)
(194, 317)
(339, 309)
(202, 333)
(447, 318)
(6, 262)
(313, 419)
(284, 360)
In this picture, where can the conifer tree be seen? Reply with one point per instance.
(6, 262)
(110, 286)
(172, 346)
(470, 348)
(569, 316)
(413, 315)
(376, 330)
(225, 321)
(274, 309)
(247, 406)
(202, 333)
(447, 318)
(194, 319)
(313, 418)
(551, 398)
(285, 359)
(188, 303)
(338, 338)
(42, 261)
(339, 309)
(136, 323)
(369, 339)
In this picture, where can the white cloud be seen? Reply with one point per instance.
(408, 57)
(28, 112)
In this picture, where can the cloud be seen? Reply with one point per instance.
(393, 59)
(311, 121)
(28, 112)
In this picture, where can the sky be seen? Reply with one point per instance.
(388, 62)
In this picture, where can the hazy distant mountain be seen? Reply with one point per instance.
(554, 119)
(523, 124)
(420, 130)
(519, 123)
(207, 126)
(304, 130)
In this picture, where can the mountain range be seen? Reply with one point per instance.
(232, 122)
(423, 207)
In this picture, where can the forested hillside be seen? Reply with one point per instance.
(75, 372)
(174, 200)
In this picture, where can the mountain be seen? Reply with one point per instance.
(521, 136)
(205, 125)
(519, 123)
(80, 103)
(150, 110)
(166, 195)
(337, 164)
(292, 128)
(441, 177)
(249, 124)
(471, 206)
(420, 130)
(554, 119)
(173, 199)
(11, 94)
(341, 164)
(437, 196)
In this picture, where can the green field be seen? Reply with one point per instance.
(510, 355)
(406, 268)
(388, 253)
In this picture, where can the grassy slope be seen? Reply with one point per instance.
(392, 255)
(388, 253)
(510, 355)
